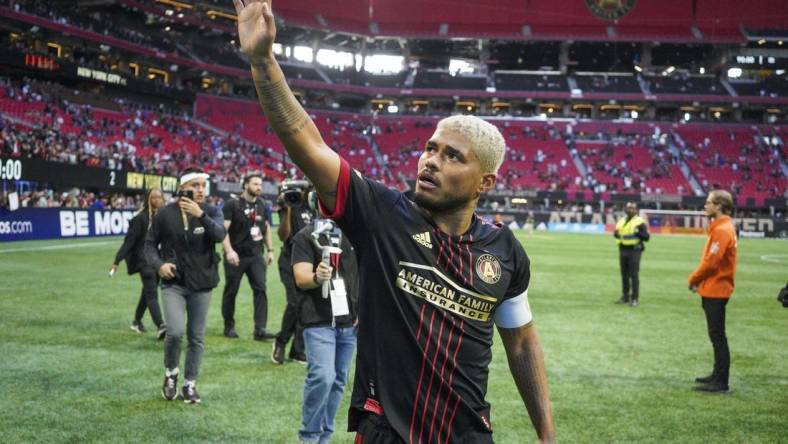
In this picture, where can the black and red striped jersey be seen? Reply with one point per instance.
(426, 305)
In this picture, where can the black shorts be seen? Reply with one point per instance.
(375, 429)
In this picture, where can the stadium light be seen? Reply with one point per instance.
(303, 54)
(383, 64)
(458, 66)
(334, 59)
(734, 73)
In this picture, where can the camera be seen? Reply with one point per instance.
(189, 194)
(292, 192)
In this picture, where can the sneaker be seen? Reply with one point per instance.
(705, 379)
(264, 335)
(161, 333)
(634, 303)
(298, 357)
(168, 389)
(189, 394)
(137, 326)
(713, 387)
(277, 353)
(230, 333)
(623, 300)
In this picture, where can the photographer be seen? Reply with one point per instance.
(329, 281)
(181, 246)
(246, 222)
(132, 252)
(294, 214)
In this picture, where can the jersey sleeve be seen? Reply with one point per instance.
(303, 250)
(361, 204)
(521, 275)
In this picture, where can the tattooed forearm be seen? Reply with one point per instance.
(284, 113)
(526, 363)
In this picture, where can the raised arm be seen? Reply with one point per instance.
(256, 32)
(526, 363)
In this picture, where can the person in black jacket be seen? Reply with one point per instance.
(132, 252)
(293, 216)
(328, 314)
(181, 246)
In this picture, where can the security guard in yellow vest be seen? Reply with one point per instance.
(631, 232)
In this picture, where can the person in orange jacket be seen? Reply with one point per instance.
(713, 280)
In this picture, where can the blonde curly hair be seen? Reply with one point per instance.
(485, 139)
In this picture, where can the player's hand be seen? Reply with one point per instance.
(167, 271)
(190, 207)
(270, 259)
(113, 268)
(232, 258)
(693, 288)
(256, 27)
(323, 272)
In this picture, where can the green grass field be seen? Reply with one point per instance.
(72, 371)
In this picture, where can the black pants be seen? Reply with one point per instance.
(715, 320)
(629, 259)
(291, 319)
(254, 269)
(149, 297)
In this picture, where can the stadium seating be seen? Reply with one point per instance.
(736, 158)
(138, 140)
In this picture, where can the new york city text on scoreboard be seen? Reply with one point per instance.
(140, 181)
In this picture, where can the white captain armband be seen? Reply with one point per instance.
(514, 312)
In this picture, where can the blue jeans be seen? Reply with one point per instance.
(329, 351)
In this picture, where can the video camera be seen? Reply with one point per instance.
(292, 192)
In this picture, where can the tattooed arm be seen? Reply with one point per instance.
(526, 363)
(300, 136)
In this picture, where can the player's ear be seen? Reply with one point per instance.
(487, 183)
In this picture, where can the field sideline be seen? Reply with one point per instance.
(72, 370)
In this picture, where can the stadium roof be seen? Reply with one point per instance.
(630, 20)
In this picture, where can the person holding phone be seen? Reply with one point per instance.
(181, 246)
(132, 252)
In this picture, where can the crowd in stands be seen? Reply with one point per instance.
(542, 156)
(43, 126)
(73, 198)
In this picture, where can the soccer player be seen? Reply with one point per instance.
(631, 232)
(434, 278)
(246, 223)
(132, 252)
(713, 280)
(181, 245)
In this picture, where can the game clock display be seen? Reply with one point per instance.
(10, 169)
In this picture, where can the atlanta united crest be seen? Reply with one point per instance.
(610, 9)
(488, 268)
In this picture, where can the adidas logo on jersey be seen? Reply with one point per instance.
(423, 239)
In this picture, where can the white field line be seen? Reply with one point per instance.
(56, 247)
